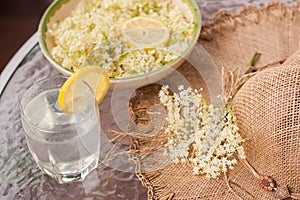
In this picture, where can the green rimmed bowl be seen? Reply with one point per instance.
(61, 9)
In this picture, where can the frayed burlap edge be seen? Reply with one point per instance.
(231, 39)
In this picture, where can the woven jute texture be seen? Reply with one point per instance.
(266, 106)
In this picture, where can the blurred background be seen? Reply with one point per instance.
(18, 21)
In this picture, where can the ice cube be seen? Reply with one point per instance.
(47, 118)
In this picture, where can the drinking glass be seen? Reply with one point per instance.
(65, 146)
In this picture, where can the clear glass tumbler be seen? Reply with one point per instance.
(65, 146)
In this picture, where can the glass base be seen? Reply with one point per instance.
(68, 177)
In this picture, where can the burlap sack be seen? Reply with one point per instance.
(267, 108)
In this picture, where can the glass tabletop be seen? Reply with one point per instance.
(20, 177)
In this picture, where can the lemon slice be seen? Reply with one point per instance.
(145, 32)
(72, 91)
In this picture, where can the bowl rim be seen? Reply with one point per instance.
(50, 11)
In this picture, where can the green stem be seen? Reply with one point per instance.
(253, 59)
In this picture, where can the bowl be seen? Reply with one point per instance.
(61, 9)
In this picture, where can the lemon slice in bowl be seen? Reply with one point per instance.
(145, 32)
(94, 76)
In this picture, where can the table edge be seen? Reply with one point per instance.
(13, 64)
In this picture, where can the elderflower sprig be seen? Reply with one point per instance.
(195, 126)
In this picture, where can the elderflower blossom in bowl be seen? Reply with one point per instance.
(135, 41)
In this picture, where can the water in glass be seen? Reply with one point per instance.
(65, 146)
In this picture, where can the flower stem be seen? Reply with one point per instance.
(253, 59)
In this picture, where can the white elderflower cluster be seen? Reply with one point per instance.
(92, 35)
(201, 133)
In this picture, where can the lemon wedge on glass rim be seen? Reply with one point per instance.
(97, 79)
(145, 32)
